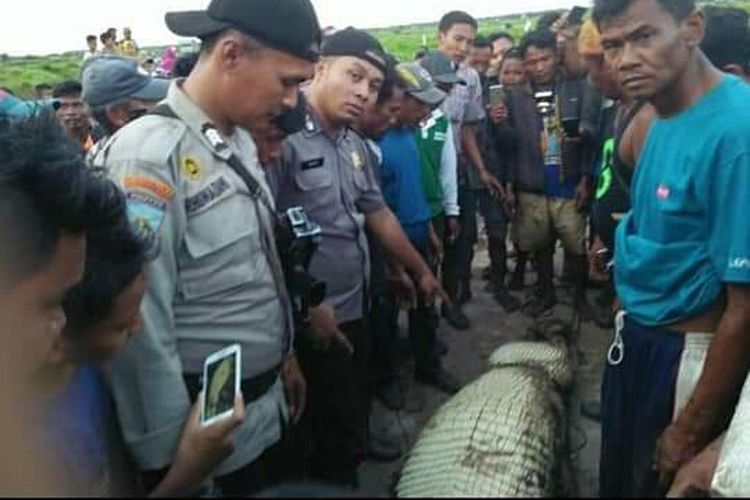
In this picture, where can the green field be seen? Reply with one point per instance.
(21, 74)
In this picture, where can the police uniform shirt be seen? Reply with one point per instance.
(210, 284)
(332, 179)
(464, 104)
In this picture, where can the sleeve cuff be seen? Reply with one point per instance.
(156, 450)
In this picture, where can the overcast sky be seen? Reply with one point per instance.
(52, 26)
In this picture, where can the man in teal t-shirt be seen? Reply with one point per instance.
(682, 256)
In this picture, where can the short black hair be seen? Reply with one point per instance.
(391, 82)
(45, 190)
(115, 257)
(727, 39)
(541, 39)
(42, 86)
(482, 42)
(499, 35)
(208, 42)
(456, 17)
(66, 89)
(90, 37)
(185, 64)
(105, 36)
(513, 53)
(604, 10)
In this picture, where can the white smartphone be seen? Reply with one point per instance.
(221, 384)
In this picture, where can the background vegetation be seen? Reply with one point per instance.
(22, 73)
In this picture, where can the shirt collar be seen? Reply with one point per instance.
(189, 112)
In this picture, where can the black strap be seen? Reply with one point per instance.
(217, 147)
(617, 165)
(252, 388)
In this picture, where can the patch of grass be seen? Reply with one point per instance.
(23, 73)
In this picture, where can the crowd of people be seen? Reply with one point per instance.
(161, 223)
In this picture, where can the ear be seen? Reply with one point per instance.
(229, 51)
(694, 29)
(321, 69)
(442, 37)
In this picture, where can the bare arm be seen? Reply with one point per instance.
(391, 237)
(725, 370)
(713, 399)
(471, 148)
(389, 234)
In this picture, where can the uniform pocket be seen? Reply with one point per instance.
(314, 178)
(223, 249)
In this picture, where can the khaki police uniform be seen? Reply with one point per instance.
(214, 280)
(333, 179)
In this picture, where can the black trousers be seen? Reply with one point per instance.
(460, 253)
(383, 330)
(423, 324)
(338, 405)
(278, 464)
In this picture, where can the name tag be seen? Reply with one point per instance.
(311, 164)
(207, 196)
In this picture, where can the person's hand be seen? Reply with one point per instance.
(496, 189)
(695, 478)
(453, 226)
(295, 388)
(202, 448)
(430, 289)
(436, 245)
(402, 286)
(675, 448)
(582, 194)
(598, 255)
(325, 329)
(499, 112)
(509, 203)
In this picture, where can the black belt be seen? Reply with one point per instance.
(252, 388)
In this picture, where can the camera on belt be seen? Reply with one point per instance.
(297, 238)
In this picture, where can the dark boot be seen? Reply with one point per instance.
(498, 258)
(498, 269)
(519, 273)
(545, 298)
(440, 379)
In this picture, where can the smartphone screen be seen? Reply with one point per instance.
(221, 383)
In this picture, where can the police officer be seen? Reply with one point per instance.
(215, 278)
(326, 169)
(117, 93)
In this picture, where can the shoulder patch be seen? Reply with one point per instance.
(191, 168)
(159, 188)
(146, 216)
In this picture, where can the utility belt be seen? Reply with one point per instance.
(253, 388)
